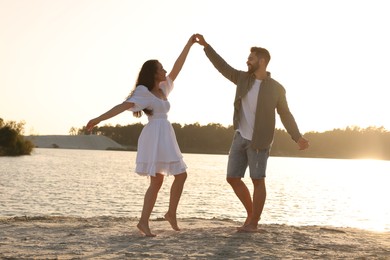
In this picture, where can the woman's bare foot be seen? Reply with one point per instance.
(145, 230)
(248, 229)
(247, 221)
(172, 221)
(241, 227)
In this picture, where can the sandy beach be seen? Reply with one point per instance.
(118, 238)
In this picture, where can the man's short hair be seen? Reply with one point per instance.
(262, 53)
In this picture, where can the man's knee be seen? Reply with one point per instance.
(258, 182)
(233, 181)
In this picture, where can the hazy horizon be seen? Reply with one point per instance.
(226, 126)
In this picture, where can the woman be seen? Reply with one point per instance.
(158, 152)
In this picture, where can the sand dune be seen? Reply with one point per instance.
(92, 142)
(118, 238)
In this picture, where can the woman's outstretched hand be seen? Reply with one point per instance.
(192, 39)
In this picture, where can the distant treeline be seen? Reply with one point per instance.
(348, 143)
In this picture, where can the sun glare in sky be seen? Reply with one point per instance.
(65, 62)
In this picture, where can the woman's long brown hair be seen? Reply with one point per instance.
(146, 78)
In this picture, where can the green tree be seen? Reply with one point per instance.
(73, 131)
(12, 142)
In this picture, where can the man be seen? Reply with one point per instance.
(257, 97)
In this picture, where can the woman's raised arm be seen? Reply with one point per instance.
(182, 58)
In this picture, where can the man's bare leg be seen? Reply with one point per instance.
(176, 191)
(259, 196)
(149, 201)
(243, 194)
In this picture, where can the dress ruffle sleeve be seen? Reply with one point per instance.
(167, 86)
(141, 97)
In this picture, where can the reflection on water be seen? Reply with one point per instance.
(301, 191)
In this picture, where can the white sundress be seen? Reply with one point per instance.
(158, 151)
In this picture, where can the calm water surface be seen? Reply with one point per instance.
(301, 191)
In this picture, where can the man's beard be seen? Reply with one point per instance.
(252, 68)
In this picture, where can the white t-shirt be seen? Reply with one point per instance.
(248, 111)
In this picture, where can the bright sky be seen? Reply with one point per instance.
(63, 62)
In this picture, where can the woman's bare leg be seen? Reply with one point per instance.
(149, 201)
(176, 191)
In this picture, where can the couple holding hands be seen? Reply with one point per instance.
(258, 97)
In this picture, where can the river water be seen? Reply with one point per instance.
(300, 191)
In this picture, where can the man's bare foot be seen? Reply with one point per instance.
(248, 229)
(172, 221)
(145, 230)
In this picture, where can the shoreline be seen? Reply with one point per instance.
(118, 238)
